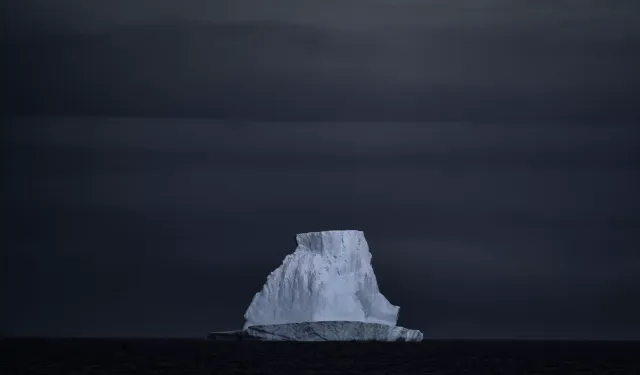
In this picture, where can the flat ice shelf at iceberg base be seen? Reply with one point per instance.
(321, 331)
(328, 279)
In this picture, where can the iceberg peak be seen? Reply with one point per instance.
(331, 241)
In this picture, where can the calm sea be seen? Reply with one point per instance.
(176, 356)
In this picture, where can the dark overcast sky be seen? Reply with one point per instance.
(160, 156)
(311, 60)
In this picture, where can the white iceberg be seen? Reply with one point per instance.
(325, 290)
(327, 278)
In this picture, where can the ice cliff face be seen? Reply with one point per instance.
(327, 278)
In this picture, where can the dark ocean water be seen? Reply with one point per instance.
(174, 356)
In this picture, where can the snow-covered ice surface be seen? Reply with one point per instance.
(327, 278)
(333, 331)
(320, 331)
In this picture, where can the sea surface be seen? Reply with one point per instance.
(178, 356)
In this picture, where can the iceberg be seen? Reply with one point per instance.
(325, 290)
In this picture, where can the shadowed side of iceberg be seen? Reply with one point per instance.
(322, 331)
